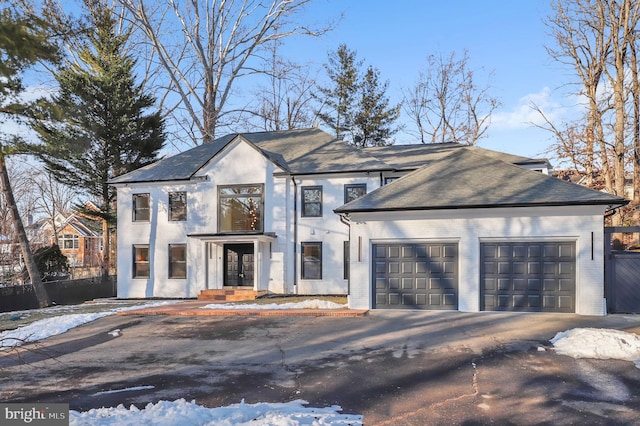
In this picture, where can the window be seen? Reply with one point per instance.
(69, 241)
(240, 208)
(311, 261)
(141, 208)
(388, 180)
(355, 191)
(140, 261)
(177, 261)
(312, 201)
(345, 260)
(177, 206)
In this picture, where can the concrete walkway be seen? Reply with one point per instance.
(196, 308)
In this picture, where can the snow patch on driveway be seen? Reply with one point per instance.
(598, 343)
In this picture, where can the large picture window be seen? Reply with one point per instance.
(312, 201)
(354, 191)
(311, 261)
(141, 261)
(240, 208)
(141, 208)
(177, 261)
(177, 206)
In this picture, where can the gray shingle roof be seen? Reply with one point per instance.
(410, 157)
(462, 178)
(305, 151)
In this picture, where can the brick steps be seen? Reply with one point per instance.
(231, 294)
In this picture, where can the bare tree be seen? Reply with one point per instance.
(597, 39)
(286, 101)
(446, 104)
(579, 31)
(50, 196)
(204, 46)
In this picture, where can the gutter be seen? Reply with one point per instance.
(295, 234)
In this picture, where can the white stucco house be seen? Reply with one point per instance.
(439, 226)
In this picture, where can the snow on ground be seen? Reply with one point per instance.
(306, 304)
(598, 343)
(181, 412)
(58, 324)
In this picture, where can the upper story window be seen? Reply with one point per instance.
(177, 206)
(312, 201)
(141, 208)
(240, 208)
(355, 191)
(69, 241)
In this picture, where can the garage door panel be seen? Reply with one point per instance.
(423, 276)
(566, 285)
(450, 284)
(450, 300)
(533, 284)
(394, 283)
(519, 284)
(534, 277)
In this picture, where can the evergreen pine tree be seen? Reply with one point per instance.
(338, 100)
(374, 120)
(98, 123)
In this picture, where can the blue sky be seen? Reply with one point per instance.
(507, 37)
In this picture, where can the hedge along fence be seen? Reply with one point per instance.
(21, 297)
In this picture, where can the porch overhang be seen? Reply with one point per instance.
(266, 237)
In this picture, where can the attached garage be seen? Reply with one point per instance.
(522, 241)
(415, 276)
(528, 276)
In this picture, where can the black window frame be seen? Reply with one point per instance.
(177, 210)
(304, 203)
(136, 261)
(260, 205)
(136, 211)
(307, 273)
(172, 269)
(347, 187)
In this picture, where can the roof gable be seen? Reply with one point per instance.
(304, 151)
(465, 179)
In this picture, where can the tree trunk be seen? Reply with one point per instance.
(29, 260)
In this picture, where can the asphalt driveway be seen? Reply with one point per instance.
(393, 367)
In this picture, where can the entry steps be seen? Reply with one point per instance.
(231, 294)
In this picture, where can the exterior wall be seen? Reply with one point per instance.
(329, 230)
(277, 260)
(471, 227)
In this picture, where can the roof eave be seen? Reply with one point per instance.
(612, 205)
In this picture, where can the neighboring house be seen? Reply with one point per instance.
(79, 239)
(438, 226)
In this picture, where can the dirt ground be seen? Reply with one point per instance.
(396, 368)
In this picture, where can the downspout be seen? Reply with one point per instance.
(344, 218)
(381, 181)
(295, 234)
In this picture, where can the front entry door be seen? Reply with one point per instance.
(238, 265)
